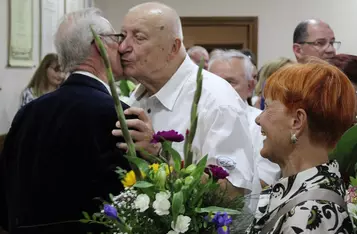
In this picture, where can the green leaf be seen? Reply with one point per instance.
(345, 152)
(167, 146)
(216, 209)
(140, 163)
(353, 181)
(177, 203)
(86, 215)
(84, 220)
(143, 184)
(124, 88)
(200, 168)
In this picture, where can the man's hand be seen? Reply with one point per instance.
(141, 131)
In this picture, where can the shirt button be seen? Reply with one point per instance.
(149, 110)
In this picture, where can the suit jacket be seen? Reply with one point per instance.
(58, 155)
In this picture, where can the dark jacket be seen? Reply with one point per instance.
(58, 155)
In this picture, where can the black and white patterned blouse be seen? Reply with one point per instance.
(312, 216)
(27, 96)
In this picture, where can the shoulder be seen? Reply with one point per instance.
(316, 217)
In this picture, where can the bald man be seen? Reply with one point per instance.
(153, 53)
(314, 38)
(196, 53)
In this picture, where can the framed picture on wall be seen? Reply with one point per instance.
(21, 33)
(51, 12)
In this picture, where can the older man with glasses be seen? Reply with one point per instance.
(315, 38)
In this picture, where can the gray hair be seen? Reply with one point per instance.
(195, 49)
(73, 37)
(228, 55)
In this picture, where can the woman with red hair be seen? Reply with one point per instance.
(307, 109)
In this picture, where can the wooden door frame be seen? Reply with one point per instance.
(250, 22)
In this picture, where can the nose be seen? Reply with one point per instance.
(125, 46)
(257, 120)
(330, 49)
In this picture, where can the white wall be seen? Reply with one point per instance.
(14, 80)
(277, 18)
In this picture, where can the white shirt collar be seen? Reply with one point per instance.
(169, 93)
(94, 77)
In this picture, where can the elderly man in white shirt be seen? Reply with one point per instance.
(153, 53)
(237, 69)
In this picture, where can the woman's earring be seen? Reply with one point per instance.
(293, 139)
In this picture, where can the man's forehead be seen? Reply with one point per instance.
(142, 22)
(320, 31)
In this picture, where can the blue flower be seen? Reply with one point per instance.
(222, 219)
(223, 230)
(110, 211)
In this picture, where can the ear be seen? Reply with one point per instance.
(297, 51)
(299, 122)
(251, 85)
(176, 46)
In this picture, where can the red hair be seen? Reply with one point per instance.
(323, 91)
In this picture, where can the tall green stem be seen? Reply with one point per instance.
(188, 154)
(117, 103)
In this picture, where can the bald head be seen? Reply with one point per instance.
(152, 47)
(314, 37)
(301, 32)
(196, 53)
(160, 15)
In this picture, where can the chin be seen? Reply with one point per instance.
(128, 71)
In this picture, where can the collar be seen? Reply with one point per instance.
(326, 175)
(169, 93)
(94, 77)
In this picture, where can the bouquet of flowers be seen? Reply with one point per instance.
(168, 195)
(351, 199)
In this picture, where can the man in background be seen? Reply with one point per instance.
(198, 52)
(236, 68)
(315, 38)
(59, 153)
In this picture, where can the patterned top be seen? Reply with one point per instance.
(27, 96)
(312, 216)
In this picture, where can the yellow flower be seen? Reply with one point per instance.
(129, 179)
(167, 169)
(154, 167)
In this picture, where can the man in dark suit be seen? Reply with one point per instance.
(59, 153)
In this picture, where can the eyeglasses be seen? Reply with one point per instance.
(323, 44)
(116, 37)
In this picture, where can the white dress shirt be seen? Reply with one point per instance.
(222, 129)
(268, 171)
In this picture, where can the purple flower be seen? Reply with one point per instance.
(217, 172)
(171, 135)
(223, 230)
(110, 211)
(222, 219)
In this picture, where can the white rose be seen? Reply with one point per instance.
(142, 202)
(182, 224)
(163, 195)
(172, 232)
(162, 204)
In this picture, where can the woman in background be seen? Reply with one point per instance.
(47, 78)
(265, 71)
